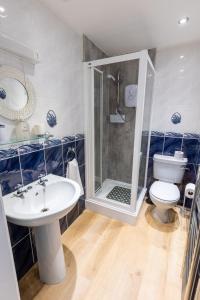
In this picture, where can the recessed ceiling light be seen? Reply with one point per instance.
(182, 56)
(183, 21)
(2, 9)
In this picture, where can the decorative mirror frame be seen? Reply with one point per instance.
(27, 111)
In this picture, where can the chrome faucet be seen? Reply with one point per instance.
(20, 190)
(42, 180)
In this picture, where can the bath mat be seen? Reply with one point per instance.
(120, 194)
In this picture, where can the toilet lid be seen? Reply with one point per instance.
(165, 191)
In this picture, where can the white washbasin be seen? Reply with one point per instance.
(41, 205)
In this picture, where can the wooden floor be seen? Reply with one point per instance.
(109, 260)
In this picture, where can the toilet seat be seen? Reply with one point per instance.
(165, 192)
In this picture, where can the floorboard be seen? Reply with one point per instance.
(110, 260)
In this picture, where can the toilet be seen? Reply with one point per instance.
(164, 193)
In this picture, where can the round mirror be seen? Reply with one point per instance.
(13, 94)
(17, 97)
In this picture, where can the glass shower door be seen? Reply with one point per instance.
(146, 129)
(98, 126)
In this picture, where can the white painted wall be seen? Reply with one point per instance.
(177, 88)
(58, 78)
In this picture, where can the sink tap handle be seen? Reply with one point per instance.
(20, 190)
(29, 187)
(18, 186)
(41, 175)
(42, 179)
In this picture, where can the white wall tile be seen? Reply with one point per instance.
(57, 79)
(177, 91)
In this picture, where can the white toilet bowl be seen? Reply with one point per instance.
(165, 196)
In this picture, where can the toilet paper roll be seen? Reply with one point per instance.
(189, 190)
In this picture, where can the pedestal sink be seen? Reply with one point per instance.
(41, 207)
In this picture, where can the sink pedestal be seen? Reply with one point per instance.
(50, 253)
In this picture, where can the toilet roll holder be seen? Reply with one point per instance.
(188, 195)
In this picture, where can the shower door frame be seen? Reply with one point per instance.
(101, 118)
(144, 59)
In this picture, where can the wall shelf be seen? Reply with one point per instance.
(15, 142)
(14, 47)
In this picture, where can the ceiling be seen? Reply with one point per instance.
(122, 26)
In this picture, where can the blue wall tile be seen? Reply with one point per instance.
(72, 215)
(34, 253)
(22, 254)
(17, 232)
(54, 162)
(66, 156)
(10, 174)
(190, 174)
(32, 165)
(81, 204)
(52, 143)
(156, 145)
(63, 224)
(82, 174)
(69, 139)
(7, 153)
(171, 145)
(150, 172)
(80, 153)
(191, 149)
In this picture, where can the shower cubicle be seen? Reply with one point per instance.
(118, 101)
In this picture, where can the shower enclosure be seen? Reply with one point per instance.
(118, 101)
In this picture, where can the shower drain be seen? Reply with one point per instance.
(44, 210)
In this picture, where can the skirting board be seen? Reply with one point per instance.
(116, 212)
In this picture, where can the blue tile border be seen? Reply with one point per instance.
(52, 143)
(4, 154)
(157, 133)
(79, 136)
(32, 147)
(191, 136)
(24, 149)
(68, 139)
(173, 134)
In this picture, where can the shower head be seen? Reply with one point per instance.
(110, 76)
